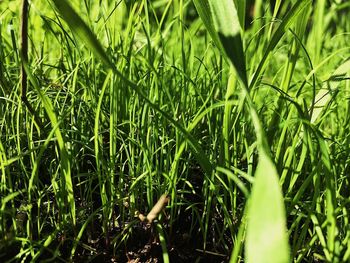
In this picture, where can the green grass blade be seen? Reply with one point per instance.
(163, 243)
(3, 161)
(98, 154)
(67, 191)
(280, 31)
(83, 31)
(241, 6)
(222, 22)
(203, 9)
(330, 86)
(266, 228)
(267, 239)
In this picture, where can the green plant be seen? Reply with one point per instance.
(138, 103)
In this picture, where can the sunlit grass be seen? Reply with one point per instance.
(244, 131)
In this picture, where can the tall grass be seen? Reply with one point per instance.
(242, 129)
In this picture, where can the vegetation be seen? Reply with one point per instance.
(180, 131)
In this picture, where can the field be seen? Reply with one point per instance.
(174, 131)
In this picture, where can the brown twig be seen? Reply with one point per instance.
(155, 211)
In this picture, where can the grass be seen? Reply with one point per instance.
(153, 131)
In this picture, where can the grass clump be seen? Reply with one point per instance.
(151, 132)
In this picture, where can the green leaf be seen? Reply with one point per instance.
(222, 22)
(267, 239)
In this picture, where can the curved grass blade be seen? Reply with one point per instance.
(222, 22)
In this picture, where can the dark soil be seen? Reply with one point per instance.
(183, 238)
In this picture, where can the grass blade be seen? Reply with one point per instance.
(241, 10)
(330, 86)
(222, 22)
(84, 32)
(283, 27)
(266, 229)
(67, 191)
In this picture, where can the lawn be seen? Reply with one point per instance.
(174, 131)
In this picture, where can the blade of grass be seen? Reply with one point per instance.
(163, 244)
(241, 11)
(283, 27)
(83, 31)
(226, 31)
(325, 94)
(98, 156)
(266, 227)
(66, 190)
